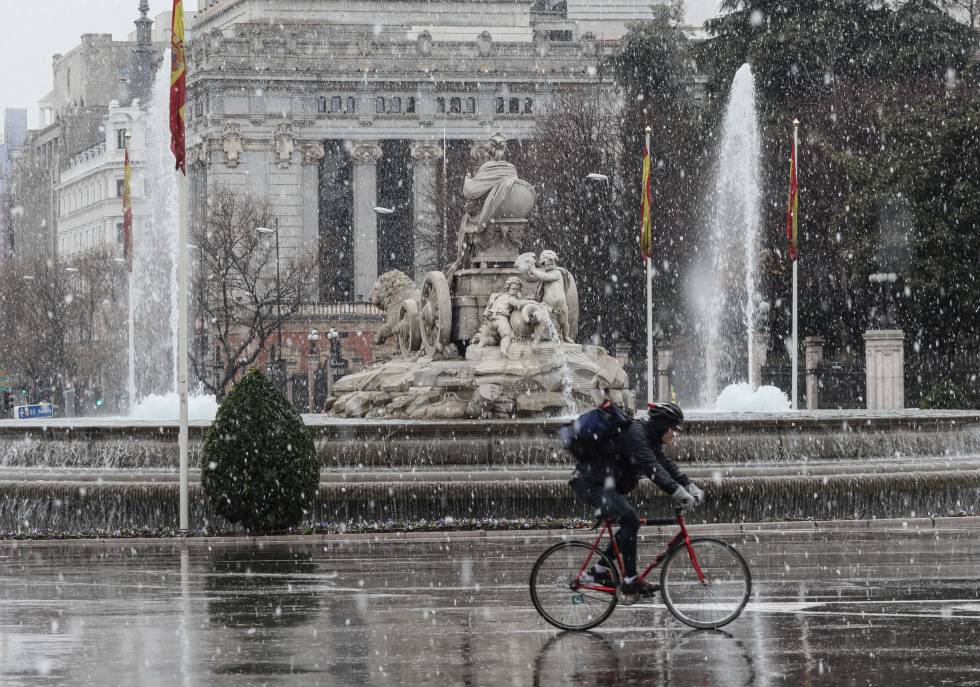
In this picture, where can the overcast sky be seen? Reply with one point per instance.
(37, 29)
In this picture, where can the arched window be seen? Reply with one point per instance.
(396, 104)
(455, 106)
(379, 105)
(470, 105)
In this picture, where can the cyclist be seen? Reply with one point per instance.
(604, 481)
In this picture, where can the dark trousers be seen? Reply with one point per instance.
(611, 504)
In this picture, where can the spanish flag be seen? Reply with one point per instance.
(127, 212)
(646, 233)
(792, 210)
(178, 86)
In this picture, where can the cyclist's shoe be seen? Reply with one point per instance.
(593, 576)
(638, 588)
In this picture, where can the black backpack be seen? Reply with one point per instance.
(592, 434)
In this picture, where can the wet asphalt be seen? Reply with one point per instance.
(872, 607)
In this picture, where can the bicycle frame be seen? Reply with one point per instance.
(681, 537)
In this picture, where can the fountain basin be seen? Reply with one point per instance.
(87, 475)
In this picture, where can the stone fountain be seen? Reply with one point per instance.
(473, 342)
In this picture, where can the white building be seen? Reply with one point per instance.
(90, 192)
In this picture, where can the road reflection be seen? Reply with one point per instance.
(706, 658)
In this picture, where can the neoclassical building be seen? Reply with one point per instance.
(329, 110)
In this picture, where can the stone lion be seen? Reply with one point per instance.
(389, 291)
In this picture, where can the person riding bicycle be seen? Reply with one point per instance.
(604, 481)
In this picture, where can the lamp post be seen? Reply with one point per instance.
(334, 337)
(278, 361)
(312, 363)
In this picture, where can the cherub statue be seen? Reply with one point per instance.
(496, 316)
(554, 284)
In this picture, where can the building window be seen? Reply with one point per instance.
(199, 108)
(351, 105)
(336, 103)
(120, 139)
(500, 105)
(396, 104)
(528, 106)
(120, 187)
(455, 106)
(515, 105)
(321, 104)
(410, 107)
(441, 105)
(470, 105)
(379, 105)
(119, 233)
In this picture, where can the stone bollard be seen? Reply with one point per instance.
(885, 368)
(813, 357)
(664, 356)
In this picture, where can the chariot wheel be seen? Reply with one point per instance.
(435, 312)
(408, 329)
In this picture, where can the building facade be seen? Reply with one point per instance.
(329, 111)
(90, 191)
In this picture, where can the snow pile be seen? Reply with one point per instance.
(167, 407)
(742, 398)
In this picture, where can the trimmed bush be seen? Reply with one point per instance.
(259, 467)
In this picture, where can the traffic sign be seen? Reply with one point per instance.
(34, 410)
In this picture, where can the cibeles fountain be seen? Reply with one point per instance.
(491, 336)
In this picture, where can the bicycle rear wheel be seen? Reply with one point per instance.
(561, 598)
(717, 600)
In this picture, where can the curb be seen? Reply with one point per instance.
(884, 525)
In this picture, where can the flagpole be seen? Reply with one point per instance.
(182, 347)
(131, 372)
(649, 266)
(796, 345)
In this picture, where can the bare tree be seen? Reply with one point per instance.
(234, 289)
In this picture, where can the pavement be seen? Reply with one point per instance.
(867, 603)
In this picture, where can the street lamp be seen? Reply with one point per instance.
(334, 337)
(312, 363)
(278, 363)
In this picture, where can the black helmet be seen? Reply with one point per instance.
(665, 414)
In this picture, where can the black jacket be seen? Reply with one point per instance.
(632, 456)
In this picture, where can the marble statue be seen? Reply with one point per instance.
(497, 316)
(554, 284)
(393, 287)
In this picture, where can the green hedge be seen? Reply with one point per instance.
(259, 467)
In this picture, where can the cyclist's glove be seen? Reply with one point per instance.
(694, 491)
(683, 499)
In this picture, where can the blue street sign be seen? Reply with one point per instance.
(35, 410)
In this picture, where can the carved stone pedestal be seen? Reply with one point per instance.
(885, 368)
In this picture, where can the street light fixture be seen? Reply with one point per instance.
(383, 210)
(278, 363)
(595, 176)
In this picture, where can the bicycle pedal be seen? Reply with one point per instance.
(627, 599)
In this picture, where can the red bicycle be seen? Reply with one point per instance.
(704, 582)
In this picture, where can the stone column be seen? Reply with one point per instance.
(312, 153)
(885, 368)
(427, 236)
(760, 352)
(813, 359)
(665, 355)
(366, 155)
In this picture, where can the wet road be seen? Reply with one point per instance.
(897, 607)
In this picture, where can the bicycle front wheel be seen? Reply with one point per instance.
(714, 598)
(561, 597)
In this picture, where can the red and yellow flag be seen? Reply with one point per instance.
(792, 237)
(178, 86)
(127, 213)
(646, 232)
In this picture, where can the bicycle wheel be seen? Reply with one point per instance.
(558, 595)
(722, 595)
